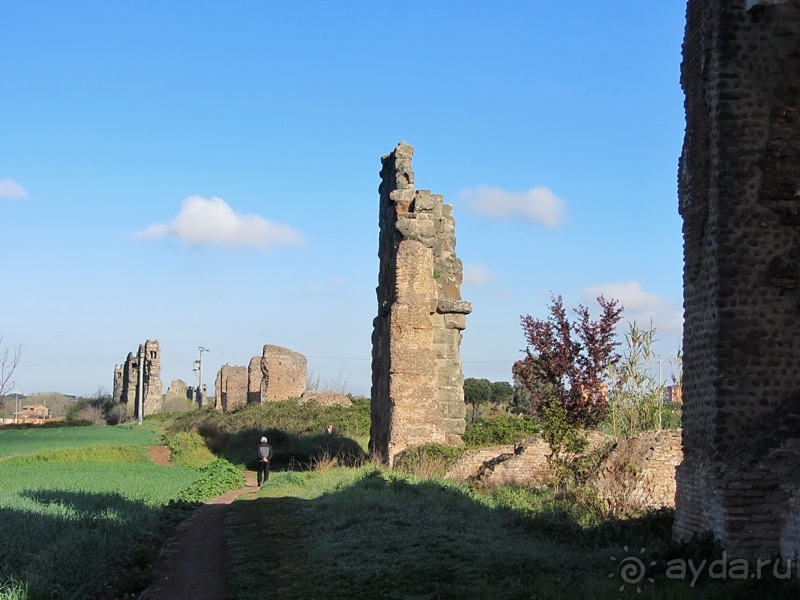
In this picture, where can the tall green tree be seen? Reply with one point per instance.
(502, 392)
(477, 392)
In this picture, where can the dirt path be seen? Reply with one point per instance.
(194, 565)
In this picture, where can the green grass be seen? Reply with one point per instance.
(77, 512)
(19, 442)
(369, 533)
(295, 432)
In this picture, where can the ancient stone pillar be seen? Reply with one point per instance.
(118, 384)
(130, 377)
(739, 189)
(417, 383)
(153, 395)
(283, 374)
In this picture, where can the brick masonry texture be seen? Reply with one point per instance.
(417, 382)
(739, 196)
(639, 471)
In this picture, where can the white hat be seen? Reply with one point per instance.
(264, 440)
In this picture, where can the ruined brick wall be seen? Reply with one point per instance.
(417, 382)
(177, 390)
(638, 472)
(255, 379)
(739, 196)
(283, 374)
(231, 388)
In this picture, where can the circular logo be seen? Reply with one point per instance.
(631, 570)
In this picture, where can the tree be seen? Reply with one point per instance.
(502, 392)
(8, 364)
(566, 363)
(477, 391)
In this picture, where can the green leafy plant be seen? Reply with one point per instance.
(427, 461)
(567, 362)
(503, 429)
(635, 396)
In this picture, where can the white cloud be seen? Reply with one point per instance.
(538, 204)
(476, 275)
(11, 189)
(212, 221)
(640, 305)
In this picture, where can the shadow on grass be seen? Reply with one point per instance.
(291, 452)
(372, 534)
(77, 542)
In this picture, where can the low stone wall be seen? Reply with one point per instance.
(640, 471)
(637, 471)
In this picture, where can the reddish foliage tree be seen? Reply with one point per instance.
(567, 362)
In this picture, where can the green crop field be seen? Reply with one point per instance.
(75, 504)
(22, 442)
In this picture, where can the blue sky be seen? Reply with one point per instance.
(206, 173)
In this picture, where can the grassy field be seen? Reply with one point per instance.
(35, 440)
(80, 506)
(369, 533)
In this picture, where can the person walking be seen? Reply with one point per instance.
(264, 456)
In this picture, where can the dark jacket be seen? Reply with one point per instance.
(264, 451)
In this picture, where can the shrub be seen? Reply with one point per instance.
(189, 449)
(430, 460)
(504, 429)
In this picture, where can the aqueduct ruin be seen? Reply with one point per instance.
(739, 195)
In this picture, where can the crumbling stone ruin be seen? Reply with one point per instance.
(254, 380)
(417, 383)
(177, 390)
(283, 373)
(278, 374)
(633, 472)
(231, 386)
(324, 398)
(118, 379)
(126, 386)
(739, 196)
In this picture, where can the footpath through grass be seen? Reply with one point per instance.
(80, 507)
(369, 533)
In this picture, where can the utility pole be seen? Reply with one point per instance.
(198, 366)
(140, 384)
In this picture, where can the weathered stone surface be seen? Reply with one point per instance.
(149, 355)
(177, 390)
(417, 384)
(231, 388)
(635, 472)
(283, 374)
(118, 383)
(255, 380)
(324, 398)
(739, 196)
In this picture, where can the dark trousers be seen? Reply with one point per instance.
(263, 472)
